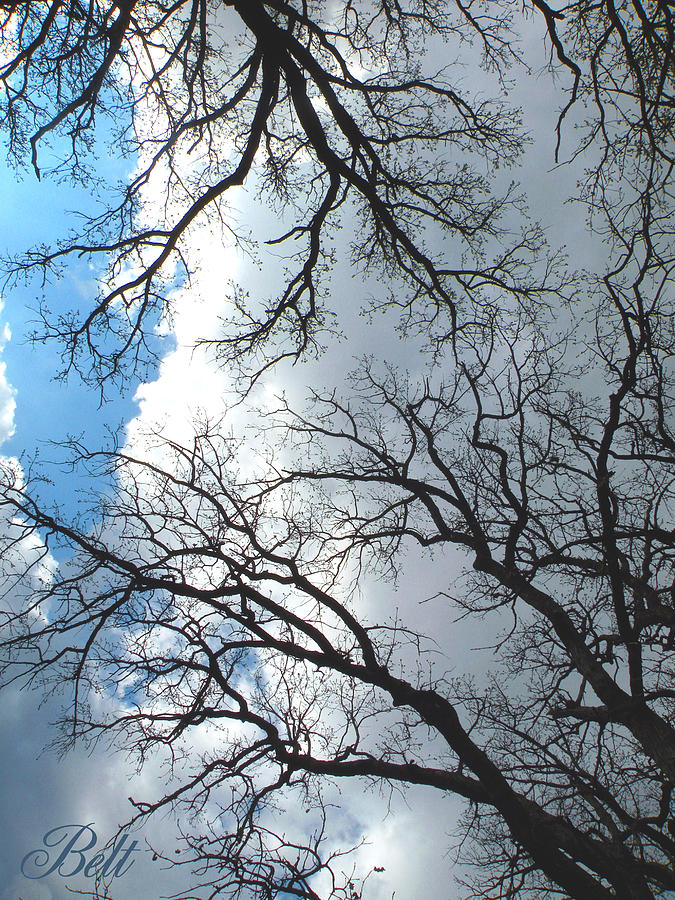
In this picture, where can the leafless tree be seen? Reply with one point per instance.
(272, 93)
(207, 593)
(227, 599)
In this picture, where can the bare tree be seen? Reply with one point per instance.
(211, 596)
(268, 92)
(227, 600)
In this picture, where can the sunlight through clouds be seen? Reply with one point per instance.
(7, 392)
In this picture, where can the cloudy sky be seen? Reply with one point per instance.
(42, 792)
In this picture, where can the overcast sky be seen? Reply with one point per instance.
(40, 792)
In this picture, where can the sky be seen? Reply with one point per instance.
(41, 791)
(408, 837)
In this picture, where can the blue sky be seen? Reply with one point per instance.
(46, 409)
(50, 410)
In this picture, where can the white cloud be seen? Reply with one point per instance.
(41, 792)
(7, 392)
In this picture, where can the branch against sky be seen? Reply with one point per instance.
(211, 596)
(323, 115)
(326, 112)
(204, 596)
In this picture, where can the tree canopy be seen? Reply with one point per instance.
(535, 450)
